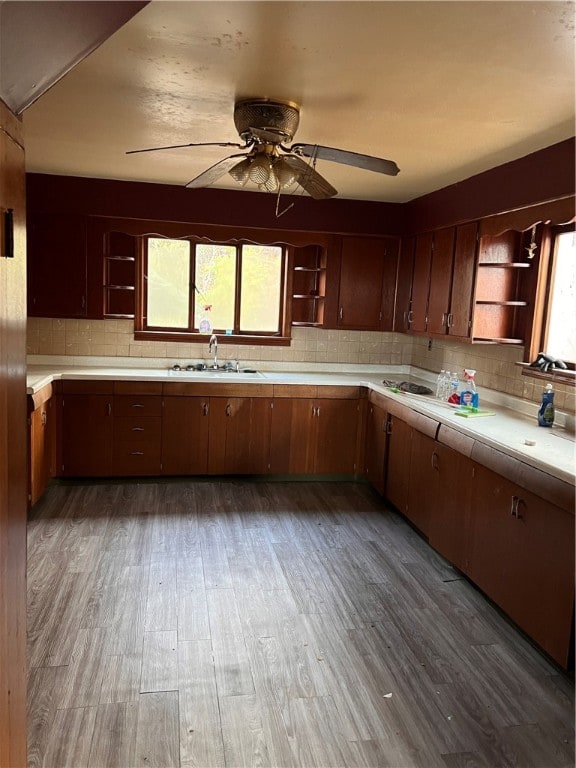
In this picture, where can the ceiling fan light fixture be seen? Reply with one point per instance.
(287, 176)
(260, 169)
(240, 171)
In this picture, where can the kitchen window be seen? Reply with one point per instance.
(554, 329)
(235, 290)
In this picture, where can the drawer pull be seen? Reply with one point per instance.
(137, 405)
(137, 429)
(137, 453)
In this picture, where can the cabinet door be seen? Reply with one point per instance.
(376, 441)
(460, 316)
(56, 262)
(238, 441)
(292, 436)
(185, 429)
(449, 499)
(440, 281)
(522, 556)
(86, 436)
(404, 285)
(398, 469)
(367, 283)
(421, 283)
(336, 436)
(423, 483)
(42, 449)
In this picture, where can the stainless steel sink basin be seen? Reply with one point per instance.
(206, 372)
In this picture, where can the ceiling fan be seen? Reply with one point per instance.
(266, 127)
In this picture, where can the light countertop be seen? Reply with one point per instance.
(513, 424)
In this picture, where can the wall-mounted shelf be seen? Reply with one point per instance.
(119, 275)
(308, 286)
(501, 290)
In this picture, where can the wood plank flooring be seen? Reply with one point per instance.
(284, 624)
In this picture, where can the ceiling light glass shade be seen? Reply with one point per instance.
(286, 175)
(240, 172)
(271, 183)
(259, 170)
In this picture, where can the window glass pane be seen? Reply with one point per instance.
(215, 285)
(168, 283)
(561, 338)
(260, 290)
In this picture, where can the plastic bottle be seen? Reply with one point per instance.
(440, 384)
(454, 396)
(469, 394)
(546, 410)
(205, 325)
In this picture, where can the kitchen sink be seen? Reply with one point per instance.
(206, 372)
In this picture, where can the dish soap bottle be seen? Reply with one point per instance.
(469, 395)
(205, 325)
(546, 410)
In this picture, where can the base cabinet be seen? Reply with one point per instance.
(522, 557)
(314, 436)
(42, 447)
(87, 431)
(185, 430)
(239, 435)
(398, 470)
(376, 444)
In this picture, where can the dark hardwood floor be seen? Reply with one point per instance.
(238, 623)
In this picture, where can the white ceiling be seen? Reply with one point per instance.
(446, 89)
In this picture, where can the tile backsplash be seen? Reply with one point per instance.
(495, 365)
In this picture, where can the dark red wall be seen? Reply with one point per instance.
(542, 176)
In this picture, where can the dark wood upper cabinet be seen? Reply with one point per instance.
(363, 278)
(57, 265)
(421, 283)
(463, 278)
(404, 285)
(440, 280)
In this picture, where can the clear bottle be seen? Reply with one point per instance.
(454, 386)
(546, 410)
(440, 384)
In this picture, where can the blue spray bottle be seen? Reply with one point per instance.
(546, 410)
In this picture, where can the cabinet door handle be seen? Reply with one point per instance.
(514, 506)
(388, 426)
(204, 409)
(341, 313)
(444, 319)
(434, 460)
(318, 410)
(450, 320)
(228, 410)
(44, 418)
(410, 317)
(109, 409)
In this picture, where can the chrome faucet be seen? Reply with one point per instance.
(214, 343)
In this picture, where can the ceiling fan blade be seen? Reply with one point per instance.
(216, 171)
(181, 146)
(316, 186)
(367, 162)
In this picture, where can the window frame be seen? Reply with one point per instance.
(535, 343)
(143, 332)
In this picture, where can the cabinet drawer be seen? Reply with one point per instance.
(136, 458)
(137, 429)
(137, 387)
(137, 405)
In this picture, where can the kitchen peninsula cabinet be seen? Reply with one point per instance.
(363, 278)
(42, 442)
(315, 435)
(522, 557)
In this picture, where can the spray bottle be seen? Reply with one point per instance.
(469, 395)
